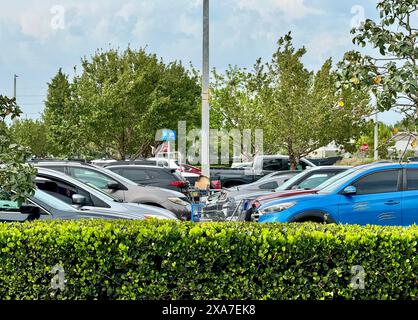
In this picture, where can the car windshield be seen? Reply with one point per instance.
(335, 182)
(52, 202)
(289, 183)
(104, 194)
(116, 176)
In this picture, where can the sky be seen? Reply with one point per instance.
(39, 37)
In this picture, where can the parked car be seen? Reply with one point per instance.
(44, 206)
(152, 176)
(270, 184)
(330, 161)
(191, 169)
(122, 188)
(307, 182)
(238, 204)
(261, 166)
(160, 163)
(90, 198)
(376, 194)
(280, 173)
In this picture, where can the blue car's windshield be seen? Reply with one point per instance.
(335, 182)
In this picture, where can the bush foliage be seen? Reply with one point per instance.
(170, 260)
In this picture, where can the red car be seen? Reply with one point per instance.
(256, 203)
(191, 169)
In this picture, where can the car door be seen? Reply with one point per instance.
(11, 211)
(378, 200)
(409, 198)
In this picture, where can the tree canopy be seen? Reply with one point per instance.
(33, 134)
(298, 109)
(118, 102)
(393, 76)
(16, 176)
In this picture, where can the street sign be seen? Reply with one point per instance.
(364, 148)
(166, 135)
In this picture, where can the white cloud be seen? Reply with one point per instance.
(292, 9)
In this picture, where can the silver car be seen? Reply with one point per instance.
(89, 198)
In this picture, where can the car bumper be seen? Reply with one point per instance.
(182, 212)
(273, 217)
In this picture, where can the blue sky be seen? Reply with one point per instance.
(39, 37)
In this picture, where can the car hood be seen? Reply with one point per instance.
(283, 194)
(152, 210)
(244, 194)
(166, 192)
(297, 198)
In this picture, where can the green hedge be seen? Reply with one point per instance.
(169, 260)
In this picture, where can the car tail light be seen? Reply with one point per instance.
(256, 204)
(216, 185)
(180, 184)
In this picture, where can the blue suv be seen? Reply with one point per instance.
(378, 194)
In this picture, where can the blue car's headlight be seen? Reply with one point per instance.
(277, 208)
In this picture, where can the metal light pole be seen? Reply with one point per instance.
(14, 86)
(204, 154)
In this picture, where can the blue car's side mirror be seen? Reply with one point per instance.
(350, 191)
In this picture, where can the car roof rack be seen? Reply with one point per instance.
(58, 160)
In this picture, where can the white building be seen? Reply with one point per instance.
(403, 141)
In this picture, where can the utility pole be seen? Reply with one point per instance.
(14, 91)
(376, 137)
(14, 86)
(204, 152)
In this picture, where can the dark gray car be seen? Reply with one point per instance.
(122, 188)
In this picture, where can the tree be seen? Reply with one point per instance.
(393, 76)
(233, 105)
(385, 139)
(17, 177)
(32, 134)
(299, 110)
(61, 118)
(119, 101)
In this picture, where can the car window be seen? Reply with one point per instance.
(52, 201)
(153, 174)
(62, 190)
(96, 178)
(316, 179)
(136, 174)
(6, 205)
(411, 179)
(269, 186)
(275, 164)
(292, 181)
(379, 182)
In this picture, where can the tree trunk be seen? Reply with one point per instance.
(293, 159)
